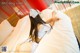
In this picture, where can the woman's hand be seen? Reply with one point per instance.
(52, 20)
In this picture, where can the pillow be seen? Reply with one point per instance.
(61, 39)
(20, 34)
(5, 30)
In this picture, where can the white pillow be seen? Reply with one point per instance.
(5, 30)
(61, 39)
(20, 33)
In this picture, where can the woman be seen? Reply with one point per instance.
(36, 22)
(39, 27)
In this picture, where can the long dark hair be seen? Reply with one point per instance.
(34, 28)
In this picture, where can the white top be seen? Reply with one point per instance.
(61, 39)
(45, 28)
